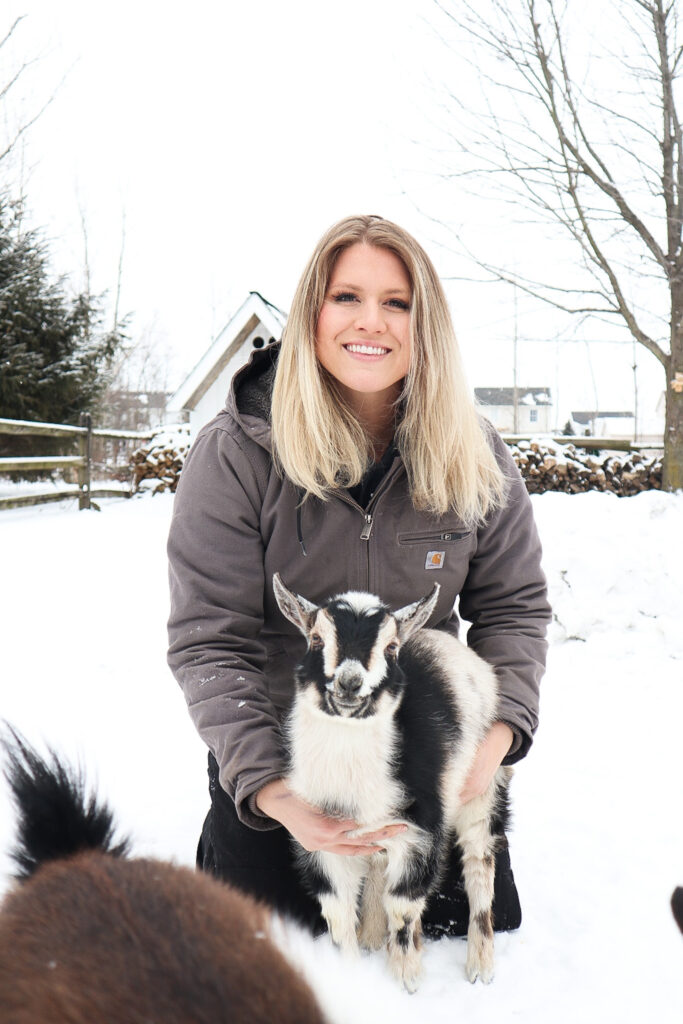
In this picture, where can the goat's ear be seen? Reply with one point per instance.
(414, 616)
(294, 607)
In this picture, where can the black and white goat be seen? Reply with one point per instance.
(91, 935)
(384, 727)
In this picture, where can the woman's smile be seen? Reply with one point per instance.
(361, 349)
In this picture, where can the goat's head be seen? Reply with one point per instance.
(351, 664)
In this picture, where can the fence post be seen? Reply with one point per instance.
(85, 444)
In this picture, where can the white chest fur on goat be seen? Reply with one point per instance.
(345, 765)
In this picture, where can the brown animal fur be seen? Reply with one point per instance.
(94, 939)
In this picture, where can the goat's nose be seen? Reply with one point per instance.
(349, 684)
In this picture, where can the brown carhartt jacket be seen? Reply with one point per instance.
(236, 522)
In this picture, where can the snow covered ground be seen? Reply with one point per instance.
(597, 845)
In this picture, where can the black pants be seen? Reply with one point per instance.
(262, 864)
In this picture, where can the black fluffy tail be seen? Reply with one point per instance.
(677, 906)
(56, 818)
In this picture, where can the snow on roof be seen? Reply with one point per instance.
(505, 396)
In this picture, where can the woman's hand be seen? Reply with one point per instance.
(487, 761)
(315, 830)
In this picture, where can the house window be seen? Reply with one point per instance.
(533, 415)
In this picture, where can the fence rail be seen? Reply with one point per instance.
(82, 463)
(65, 429)
(11, 465)
(613, 444)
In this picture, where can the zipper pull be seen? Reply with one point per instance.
(367, 529)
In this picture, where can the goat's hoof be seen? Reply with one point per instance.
(407, 971)
(348, 949)
(478, 971)
(411, 984)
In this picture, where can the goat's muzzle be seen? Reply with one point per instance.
(344, 696)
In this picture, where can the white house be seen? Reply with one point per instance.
(202, 394)
(534, 407)
(604, 424)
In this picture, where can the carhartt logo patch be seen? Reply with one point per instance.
(435, 559)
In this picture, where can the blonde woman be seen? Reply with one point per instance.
(348, 457)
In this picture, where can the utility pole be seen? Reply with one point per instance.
(515, 392)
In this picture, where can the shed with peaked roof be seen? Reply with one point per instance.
(202, 394)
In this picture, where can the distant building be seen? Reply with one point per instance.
(203, 392)
(134, 410)
(534, 407)
(604, 424)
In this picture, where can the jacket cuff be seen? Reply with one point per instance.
(520, 746)
(245, 801)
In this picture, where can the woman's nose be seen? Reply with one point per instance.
(370, 318)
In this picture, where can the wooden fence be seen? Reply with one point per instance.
(605, 444)
(81, 463)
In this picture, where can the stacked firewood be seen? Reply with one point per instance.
(547, 466)
(161, 459)
(544, 465)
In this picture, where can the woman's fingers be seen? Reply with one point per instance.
(347, 850)
(386, 832)
(317, 831)
(367, 843)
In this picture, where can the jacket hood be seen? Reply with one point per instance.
(250, 394)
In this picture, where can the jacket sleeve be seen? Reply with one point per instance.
(216, 582)
(505, 600)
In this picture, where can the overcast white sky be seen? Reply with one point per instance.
(229, 135)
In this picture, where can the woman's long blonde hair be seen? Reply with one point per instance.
(319, 443)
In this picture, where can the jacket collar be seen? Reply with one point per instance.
(250, 394)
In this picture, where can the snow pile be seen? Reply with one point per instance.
(597, 845)
(620, 591)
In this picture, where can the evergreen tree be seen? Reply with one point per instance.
(54, 355)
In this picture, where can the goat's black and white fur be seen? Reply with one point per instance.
(385, 723)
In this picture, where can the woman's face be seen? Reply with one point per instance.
(363, 331)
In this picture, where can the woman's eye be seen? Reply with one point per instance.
(344, 297)
(316, 641)
(400, 304)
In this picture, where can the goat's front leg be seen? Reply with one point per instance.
(478, 847)
(338, 894)
(372, 932)
(413, 863)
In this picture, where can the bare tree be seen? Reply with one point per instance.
(600, 158)
(16, 133)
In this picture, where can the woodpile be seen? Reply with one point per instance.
(161, 459)
(547, 466)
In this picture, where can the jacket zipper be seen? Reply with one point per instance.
(368, 515)
(367, 529)
(368, 520)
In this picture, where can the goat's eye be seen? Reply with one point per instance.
(316, 641)
(391, 649)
